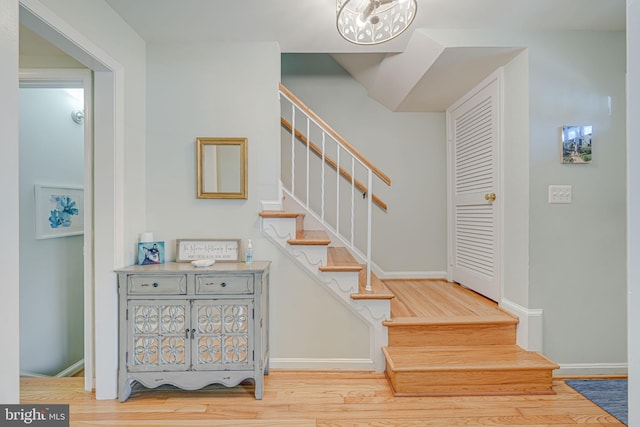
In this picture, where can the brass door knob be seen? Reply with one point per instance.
(490, 196)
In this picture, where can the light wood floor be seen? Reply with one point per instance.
(438, 299)
(330, 399)
(305, 399)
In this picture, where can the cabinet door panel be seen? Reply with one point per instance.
(158, 330)
(223, 334)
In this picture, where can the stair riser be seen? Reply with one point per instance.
(314, 256)
(412, 336)
(471, 382)
(348, 280)
(280, 229)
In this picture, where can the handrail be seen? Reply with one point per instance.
(335, 135)
(352, 155)
(333, 163)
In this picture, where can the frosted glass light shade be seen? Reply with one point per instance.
(374, 21)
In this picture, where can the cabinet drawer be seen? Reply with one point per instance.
(141, 284)
(224, 284)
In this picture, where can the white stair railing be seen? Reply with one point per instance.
(328, 212)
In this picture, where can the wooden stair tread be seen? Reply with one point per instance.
(280, 214)
(429, 298)
(453, 358)
(378, 288)
(495, 319)
(311, 238)
(340, 259)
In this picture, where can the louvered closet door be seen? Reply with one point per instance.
(474, 130)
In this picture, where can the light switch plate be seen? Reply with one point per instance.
(559, 194)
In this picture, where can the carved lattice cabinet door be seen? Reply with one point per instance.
(159, 334)
(223, 334)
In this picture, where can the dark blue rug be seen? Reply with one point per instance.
(610, 395)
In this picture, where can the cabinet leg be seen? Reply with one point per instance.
(124, 390)
(259, 386)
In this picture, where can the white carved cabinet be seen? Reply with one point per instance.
(191, 327)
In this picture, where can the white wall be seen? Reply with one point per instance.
(578, 255)
(409, 147)
(633, 209)
(51, 295)
(9, 259)
(231, 90)
(515, 181)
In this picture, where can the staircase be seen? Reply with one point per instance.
(335, 268)
(433, 338)
(447, 340)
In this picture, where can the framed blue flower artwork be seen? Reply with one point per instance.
(59, 211)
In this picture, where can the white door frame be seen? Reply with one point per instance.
(498, 76)
(108, 181)
(77, 78)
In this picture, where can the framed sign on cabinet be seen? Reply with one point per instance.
(221, 250)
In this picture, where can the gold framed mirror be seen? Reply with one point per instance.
(221, 168)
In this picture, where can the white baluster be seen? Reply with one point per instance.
(293, 151)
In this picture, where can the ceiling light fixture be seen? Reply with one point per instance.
(374, 21)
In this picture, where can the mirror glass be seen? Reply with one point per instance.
(222, 168)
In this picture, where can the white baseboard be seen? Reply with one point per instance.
(72, 370)
(27, 374)
(413, 275)
(586, 369)
(67, 372)
(321, 364)
(529, 330)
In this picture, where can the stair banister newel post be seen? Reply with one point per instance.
(324, 134)
(338, 189)
(353, 201)
(293, 148)
(308, 150)
(369, 227)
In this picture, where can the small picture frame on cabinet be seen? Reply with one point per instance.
(150, 253)
(220, 250)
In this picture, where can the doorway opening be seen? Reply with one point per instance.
(105, 190)
(56, 222)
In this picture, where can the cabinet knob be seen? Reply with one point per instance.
(155, 284)
(223, 284)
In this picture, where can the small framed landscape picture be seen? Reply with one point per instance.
(576, 144)
(150, 253)
(59, 211)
